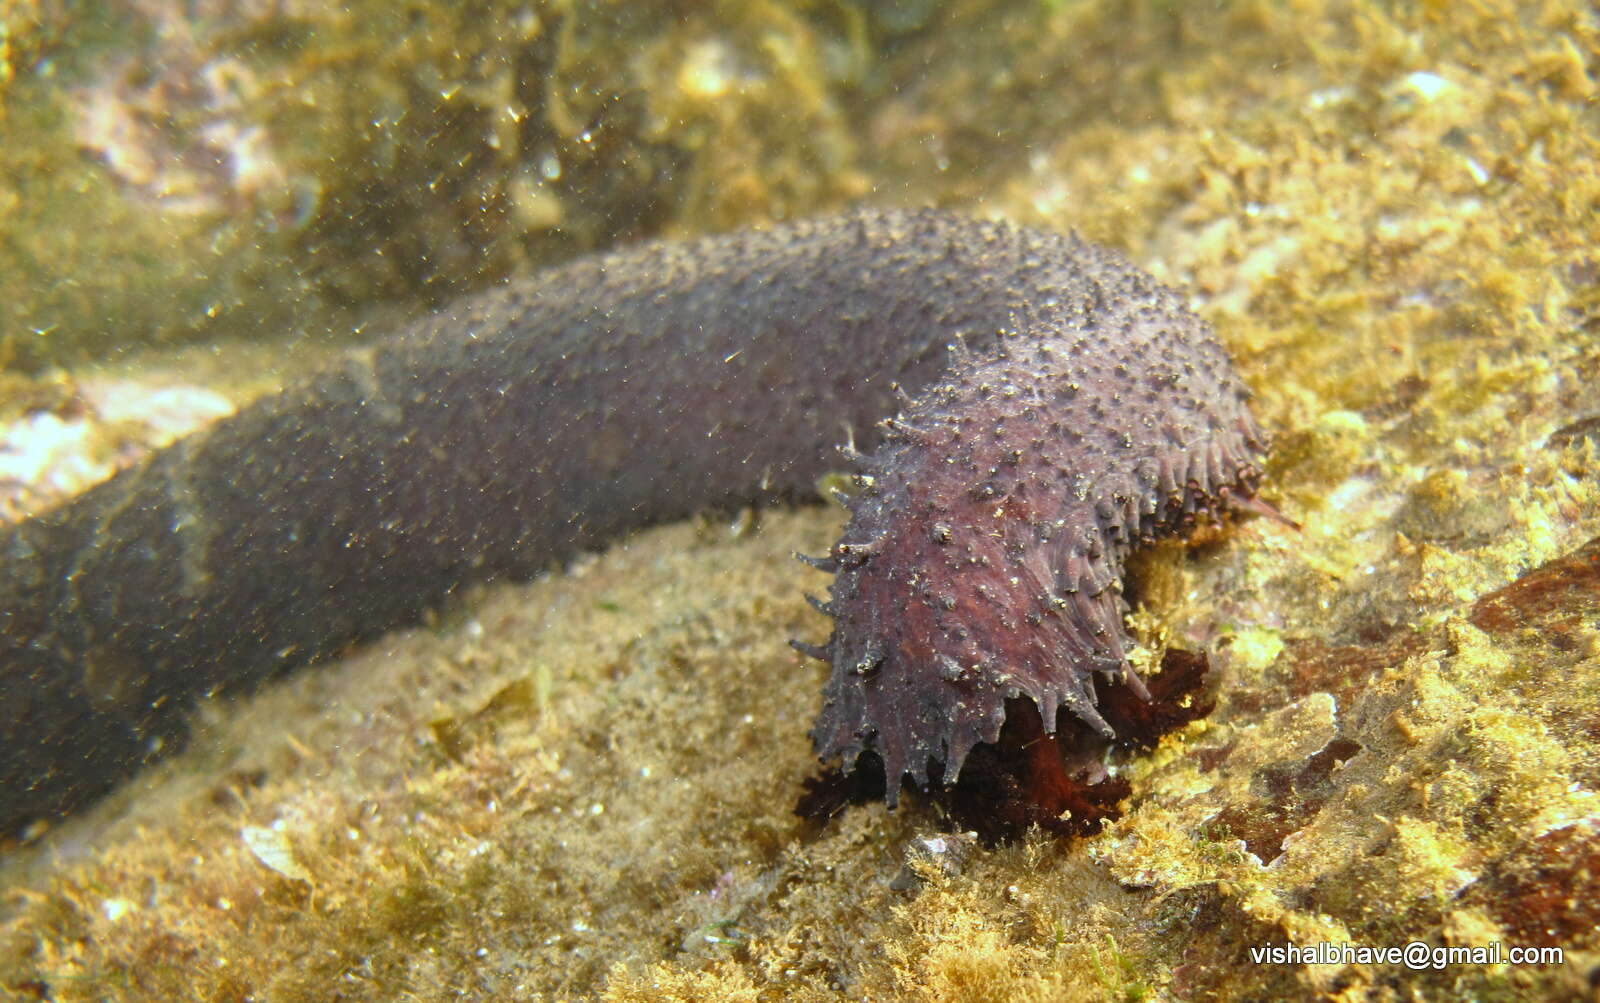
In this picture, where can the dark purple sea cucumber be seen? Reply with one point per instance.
(1028, 408)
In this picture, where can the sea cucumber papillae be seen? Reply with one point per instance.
(1027, 406)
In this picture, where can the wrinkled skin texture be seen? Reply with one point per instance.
(1055, 406)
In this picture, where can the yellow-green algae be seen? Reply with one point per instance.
(583, 786)
(255, 168)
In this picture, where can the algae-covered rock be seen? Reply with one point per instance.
(583, 786)
(256, 169)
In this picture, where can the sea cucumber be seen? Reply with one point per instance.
(1022, 408)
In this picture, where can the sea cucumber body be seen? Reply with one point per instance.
(1081, 408)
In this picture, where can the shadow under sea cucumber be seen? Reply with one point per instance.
(1027, 407)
